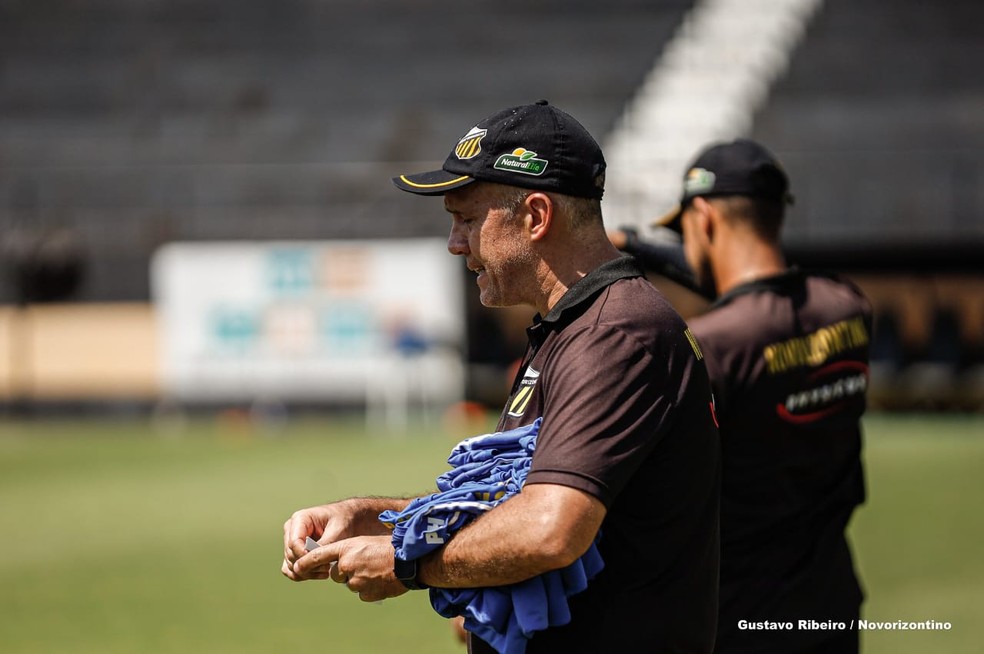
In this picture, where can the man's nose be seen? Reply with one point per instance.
(457, 243)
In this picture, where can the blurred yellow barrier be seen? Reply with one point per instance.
(78, 352)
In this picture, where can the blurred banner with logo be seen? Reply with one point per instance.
(379, 322)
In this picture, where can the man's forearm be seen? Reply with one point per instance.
(663, 258)
(519, 539)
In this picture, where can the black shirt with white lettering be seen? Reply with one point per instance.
(788, 359)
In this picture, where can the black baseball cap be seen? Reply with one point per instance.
(535, 146)
(739, 167)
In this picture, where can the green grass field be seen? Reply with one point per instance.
(121, 538)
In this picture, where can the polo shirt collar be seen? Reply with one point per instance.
(584, 289)
(779, 283)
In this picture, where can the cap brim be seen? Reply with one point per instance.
(435, 182)
(670, 220)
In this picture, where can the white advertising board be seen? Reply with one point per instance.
(320, 321)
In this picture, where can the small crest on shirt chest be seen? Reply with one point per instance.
(521, 399)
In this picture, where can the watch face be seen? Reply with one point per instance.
(406, 572)
(404, 569)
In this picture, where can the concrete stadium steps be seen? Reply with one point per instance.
(152, 121)
(879, 123)
(353, 60)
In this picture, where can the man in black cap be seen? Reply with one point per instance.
(787, 352)
(627, 443)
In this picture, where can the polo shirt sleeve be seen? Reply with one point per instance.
(608, 405)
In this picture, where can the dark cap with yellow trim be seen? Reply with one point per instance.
(534, 146)
(739, 167)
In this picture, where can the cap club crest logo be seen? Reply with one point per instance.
(521, 399)
(470, 144)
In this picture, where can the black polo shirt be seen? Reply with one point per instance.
(788, 359)
(628, 418)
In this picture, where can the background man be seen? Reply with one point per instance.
(627, 443)
(787, 352)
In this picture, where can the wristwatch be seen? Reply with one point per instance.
(406, 572)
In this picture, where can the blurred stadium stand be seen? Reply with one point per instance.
(879, 123)
(130, 125)
(140, 123)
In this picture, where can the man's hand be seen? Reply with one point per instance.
(328, 523)
(363, 563)
(618, 238)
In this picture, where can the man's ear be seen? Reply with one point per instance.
(539, 216)
(705, 217)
